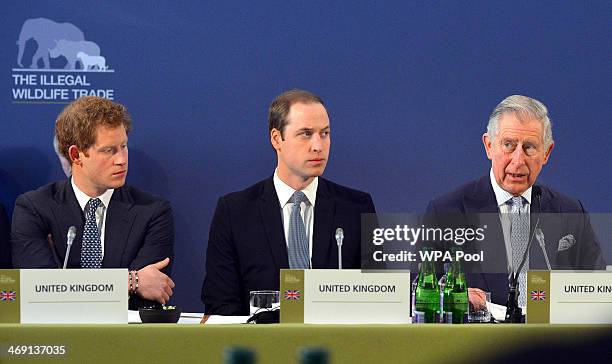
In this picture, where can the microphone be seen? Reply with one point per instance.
(69, 240)
(540, 237)
(514, 313)
(339, 238)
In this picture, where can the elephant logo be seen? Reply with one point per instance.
(48, 40)
(71, 49)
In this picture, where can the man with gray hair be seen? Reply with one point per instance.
(519, 141)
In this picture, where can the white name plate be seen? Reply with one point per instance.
(331, 296)
(569, 297)
(73, 296)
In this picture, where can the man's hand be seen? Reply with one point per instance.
(154, 285)
(477, 298)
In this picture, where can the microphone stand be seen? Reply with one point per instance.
(514, 313)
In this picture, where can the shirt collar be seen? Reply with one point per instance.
(284, 192)
(83, 198)
(502, 196)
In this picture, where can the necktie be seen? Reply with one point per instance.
(91, 252)
(298, 252)
(519, 237)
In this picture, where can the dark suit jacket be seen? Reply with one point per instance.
(139, 228)
(5, 240)
(477, 197)
(247, 246)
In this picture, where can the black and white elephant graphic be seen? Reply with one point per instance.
(45, 33)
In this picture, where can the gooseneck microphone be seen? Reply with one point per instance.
(339, 239)
(69, 239)
(540, 238)
(514, 313)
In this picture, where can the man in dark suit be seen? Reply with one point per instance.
(117, 226)
(519, 142)
(5, 240)
(285, 221)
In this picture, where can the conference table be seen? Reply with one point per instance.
(280, 343)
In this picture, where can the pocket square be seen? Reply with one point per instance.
(566, 242)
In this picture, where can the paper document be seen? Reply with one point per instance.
(225, 320)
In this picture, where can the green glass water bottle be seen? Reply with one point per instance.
(456, 294)
(449, 283)
(427, 296)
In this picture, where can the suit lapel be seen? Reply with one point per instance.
(271, 216)
(544, 215)
(481, 205)
(546, 203)
(119, 220)
(68, 213)
(536, 259)
(323, 225)
(481, 199)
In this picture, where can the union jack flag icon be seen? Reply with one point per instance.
(538, 295)
(8, 295)
(292, 294)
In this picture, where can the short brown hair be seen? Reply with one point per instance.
(279, 109)
(78, 122)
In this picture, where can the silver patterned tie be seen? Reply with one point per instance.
(298, 251)
(519, 238)
(91, 251)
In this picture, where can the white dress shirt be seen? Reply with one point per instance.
(284, 193)
(83, 199)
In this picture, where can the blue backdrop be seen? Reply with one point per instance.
(409, 87)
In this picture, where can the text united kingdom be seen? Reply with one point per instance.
(59, 288)
(345, 288)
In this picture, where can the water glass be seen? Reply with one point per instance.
(263, 300)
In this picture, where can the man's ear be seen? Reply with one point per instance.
(276, 138)
(74, 154)
(548, 153)
(487, 142)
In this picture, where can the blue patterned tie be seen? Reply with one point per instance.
(519, 237)
(298, 251)
(91, 251)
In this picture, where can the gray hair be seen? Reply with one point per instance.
(521, 106)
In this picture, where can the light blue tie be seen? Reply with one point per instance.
(298, 251)
(91, 251)
(519, 238)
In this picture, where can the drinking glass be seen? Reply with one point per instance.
(263, 300)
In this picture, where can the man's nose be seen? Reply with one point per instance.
(518, 156)
(122, 157)
(317, 143)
